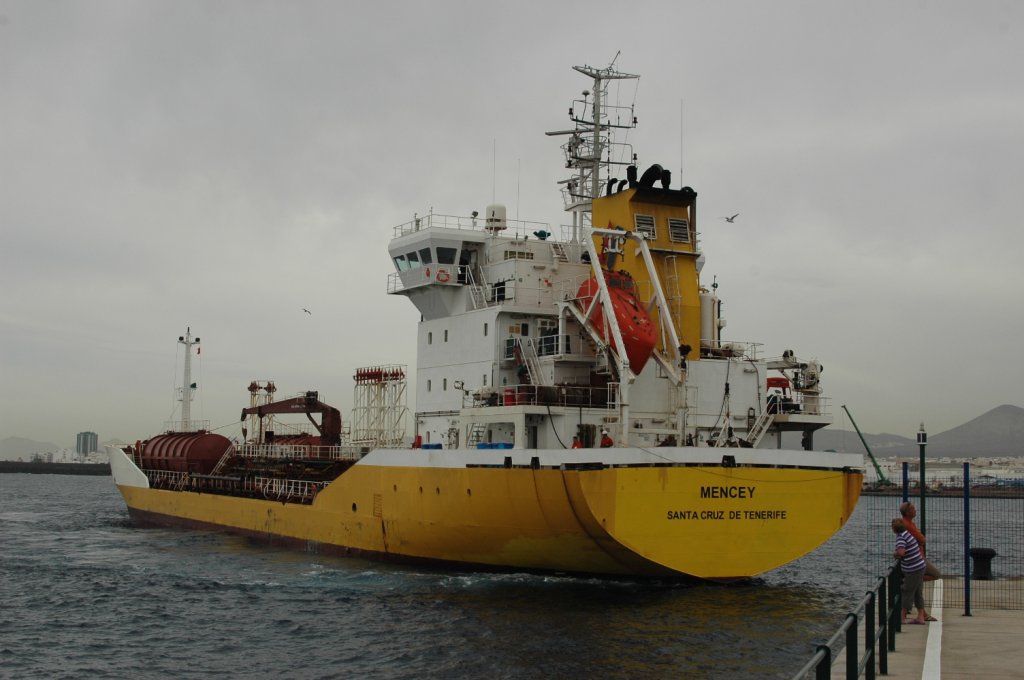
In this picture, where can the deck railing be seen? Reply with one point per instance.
(297, 451)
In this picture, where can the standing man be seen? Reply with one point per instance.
(606, 441)
(576, 443)
(912, 566)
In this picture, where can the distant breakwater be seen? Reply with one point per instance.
(37, 468)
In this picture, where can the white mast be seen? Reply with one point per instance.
(186, 383)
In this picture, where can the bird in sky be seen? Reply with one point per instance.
(730, 219)
(307, 311)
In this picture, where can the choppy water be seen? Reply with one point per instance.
(84, 594)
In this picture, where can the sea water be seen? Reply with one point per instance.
(83, 594)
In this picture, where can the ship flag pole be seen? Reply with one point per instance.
(186, 384)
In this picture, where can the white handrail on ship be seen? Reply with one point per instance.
(518, 228)
(282, 489)
(299, 451)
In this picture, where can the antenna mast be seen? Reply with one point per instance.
(186, 383)
(590, 144)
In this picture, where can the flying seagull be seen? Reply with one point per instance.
(730, 219)
(307, 311)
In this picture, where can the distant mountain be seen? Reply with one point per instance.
(14, 448)
(1000, 432)
(997, 433)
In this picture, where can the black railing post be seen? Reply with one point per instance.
(852, 648)
(967, 539)
(869, 635)
(895, 615)
(883, 622)
(824, 669)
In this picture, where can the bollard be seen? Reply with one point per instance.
(982, 557)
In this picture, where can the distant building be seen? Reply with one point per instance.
(87, 442)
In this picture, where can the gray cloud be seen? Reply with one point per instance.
(222, 165)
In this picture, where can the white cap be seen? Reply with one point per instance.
(604, 431)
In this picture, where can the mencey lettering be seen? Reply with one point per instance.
(727, 491)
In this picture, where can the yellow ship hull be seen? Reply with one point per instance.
(707, 521)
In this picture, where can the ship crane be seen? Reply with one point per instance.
(308, 404)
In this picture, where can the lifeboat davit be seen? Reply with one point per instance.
(634, 322)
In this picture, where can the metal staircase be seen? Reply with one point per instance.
(477, 287)
(759, 428)
(528, 352)
(476, 434)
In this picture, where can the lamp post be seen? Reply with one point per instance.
(922, 441)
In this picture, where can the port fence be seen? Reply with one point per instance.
(974, 526)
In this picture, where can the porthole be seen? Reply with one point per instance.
(438, 490)
(353, 507)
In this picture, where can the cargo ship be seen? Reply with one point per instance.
(577, 408)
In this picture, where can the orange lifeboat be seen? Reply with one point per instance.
(634, 322)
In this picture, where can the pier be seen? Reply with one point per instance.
(985, 644)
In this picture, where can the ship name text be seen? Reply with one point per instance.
(727, 491)
(723, 514)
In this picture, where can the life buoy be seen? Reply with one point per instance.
(442, 276)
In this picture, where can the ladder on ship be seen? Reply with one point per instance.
(558, 252)
(223, 461)
(759, 428)
(477, 287)
(476, 434)
(673, 295)
(528, 353)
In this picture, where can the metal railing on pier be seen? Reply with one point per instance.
(877, 617)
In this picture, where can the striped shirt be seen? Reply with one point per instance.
(912, 561)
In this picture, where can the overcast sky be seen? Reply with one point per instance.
(221, 165)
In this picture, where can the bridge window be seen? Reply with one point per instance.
(401, 264)
(679, 230)
(425, 256)
(446, 255)
(414, 260)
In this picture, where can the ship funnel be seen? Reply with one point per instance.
(496, 217)
(631, 175)
(651, 175)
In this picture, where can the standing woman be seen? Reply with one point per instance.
(912, 565)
